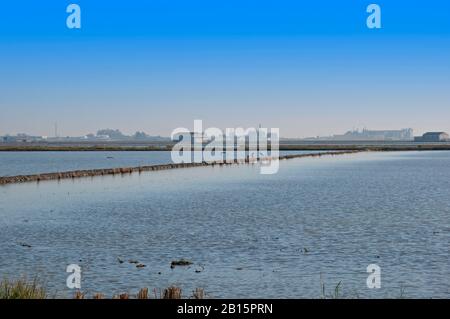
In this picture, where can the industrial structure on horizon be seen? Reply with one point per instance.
(433, 137)
(378, 135)
(406, 134)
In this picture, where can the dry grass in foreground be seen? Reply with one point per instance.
(168, 293)
(23, 289)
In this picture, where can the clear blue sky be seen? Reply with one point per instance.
(307, 67)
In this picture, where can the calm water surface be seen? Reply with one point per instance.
(249, 235)
(27, 163)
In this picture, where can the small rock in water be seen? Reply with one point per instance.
(181, 262)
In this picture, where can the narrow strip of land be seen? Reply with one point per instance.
(109, 147)
(128, 170)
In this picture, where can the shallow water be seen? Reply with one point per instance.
(28, 163)
(246, 233)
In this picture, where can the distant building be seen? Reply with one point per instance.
(111, 134)
(103, 137)
(374, 135)
(22, 138)
(433, 137)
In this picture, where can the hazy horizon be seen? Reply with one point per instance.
(131, 133)
(308, 69)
